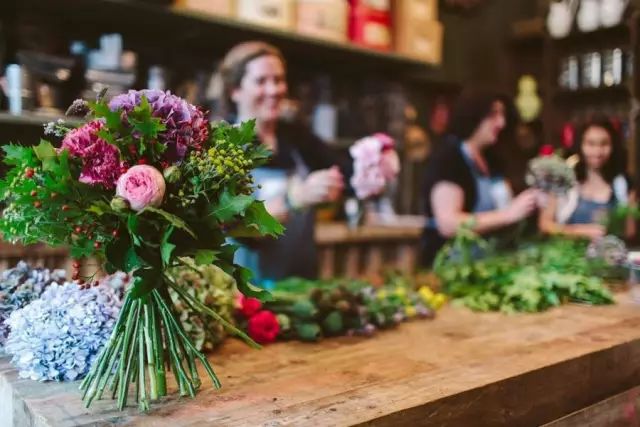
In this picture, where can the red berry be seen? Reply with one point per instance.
(115, 233)
(65, 207)
(97, 245)
(78, 229)
(164, 164)
(29, 172)
(34, 193)
(37, 204)
(76, 264)
(142, 161)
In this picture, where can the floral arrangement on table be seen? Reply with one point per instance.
(145, 182)
(375, 165)
(58, 336)
(551, 174)
(308, 310)
(21, 285)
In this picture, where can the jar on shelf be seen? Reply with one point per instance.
(612, 67)
(591, 70)
(568, 79)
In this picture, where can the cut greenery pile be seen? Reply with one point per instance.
(535, 277)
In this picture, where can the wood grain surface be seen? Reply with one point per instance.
(462, 369)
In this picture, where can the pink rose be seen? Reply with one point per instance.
(141, 186)
(375, 164)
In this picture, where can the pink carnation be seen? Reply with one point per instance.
(141, 186)
(100, 160)
(375, 163)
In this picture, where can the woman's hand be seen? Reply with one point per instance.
(319, 187)
(522, 206)
(588, 231)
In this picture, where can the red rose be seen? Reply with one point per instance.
(263, 327)
(547, 150)
(249, 306)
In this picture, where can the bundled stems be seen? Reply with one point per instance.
(147, 340)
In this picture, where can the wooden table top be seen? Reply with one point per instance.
(461, 369)
(338, 232)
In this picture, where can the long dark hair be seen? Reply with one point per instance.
(616, 164)
(470, 110)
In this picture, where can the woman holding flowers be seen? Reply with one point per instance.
(463, 183)
(302, 173)
(601, 186)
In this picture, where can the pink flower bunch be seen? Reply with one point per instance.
(100, 160)
(375, 164)
(186, 125)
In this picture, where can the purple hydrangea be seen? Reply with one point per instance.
(58, 336)
(186, 125)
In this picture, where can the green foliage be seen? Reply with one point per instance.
(534, 278)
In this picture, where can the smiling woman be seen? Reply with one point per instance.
(462, 183)
(302, 173)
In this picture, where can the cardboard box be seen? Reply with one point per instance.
(326, 19)
(420, 40)
(271, 13)
(370, 28)
(414, 10)
(210, 7)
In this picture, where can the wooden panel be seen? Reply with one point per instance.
(461, 369)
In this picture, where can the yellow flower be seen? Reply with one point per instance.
(438, 301)
(381, 294)
(426, 294)
(401, 292)
(410, 311)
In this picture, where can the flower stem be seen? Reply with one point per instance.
(150, 350)
(142, 385)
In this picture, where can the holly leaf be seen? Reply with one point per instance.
(230, 206)
(171, 218)
(258, 218)
(205, 256)
(18, 154)
(166, 247)
(44, 150)
(112, 118)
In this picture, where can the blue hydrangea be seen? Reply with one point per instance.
(58, 336)
(21, 285)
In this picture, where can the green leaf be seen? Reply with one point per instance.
(132, 226)
(18, 155)
(257, 216)
(243, 276)
(230, 206)
(166, 248)
(112, 118)
(205, 256)
(100, 208)
(44, 150)
(171, 218)
(132, 261)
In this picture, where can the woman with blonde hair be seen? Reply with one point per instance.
(302, 173)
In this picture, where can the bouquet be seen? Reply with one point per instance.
(550, 174)
(144, 183)
(375, 164)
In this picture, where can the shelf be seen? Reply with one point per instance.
(194, 32)
(596, 95)
(618, 36)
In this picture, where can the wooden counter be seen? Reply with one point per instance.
(369, 249)
(463, 369)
